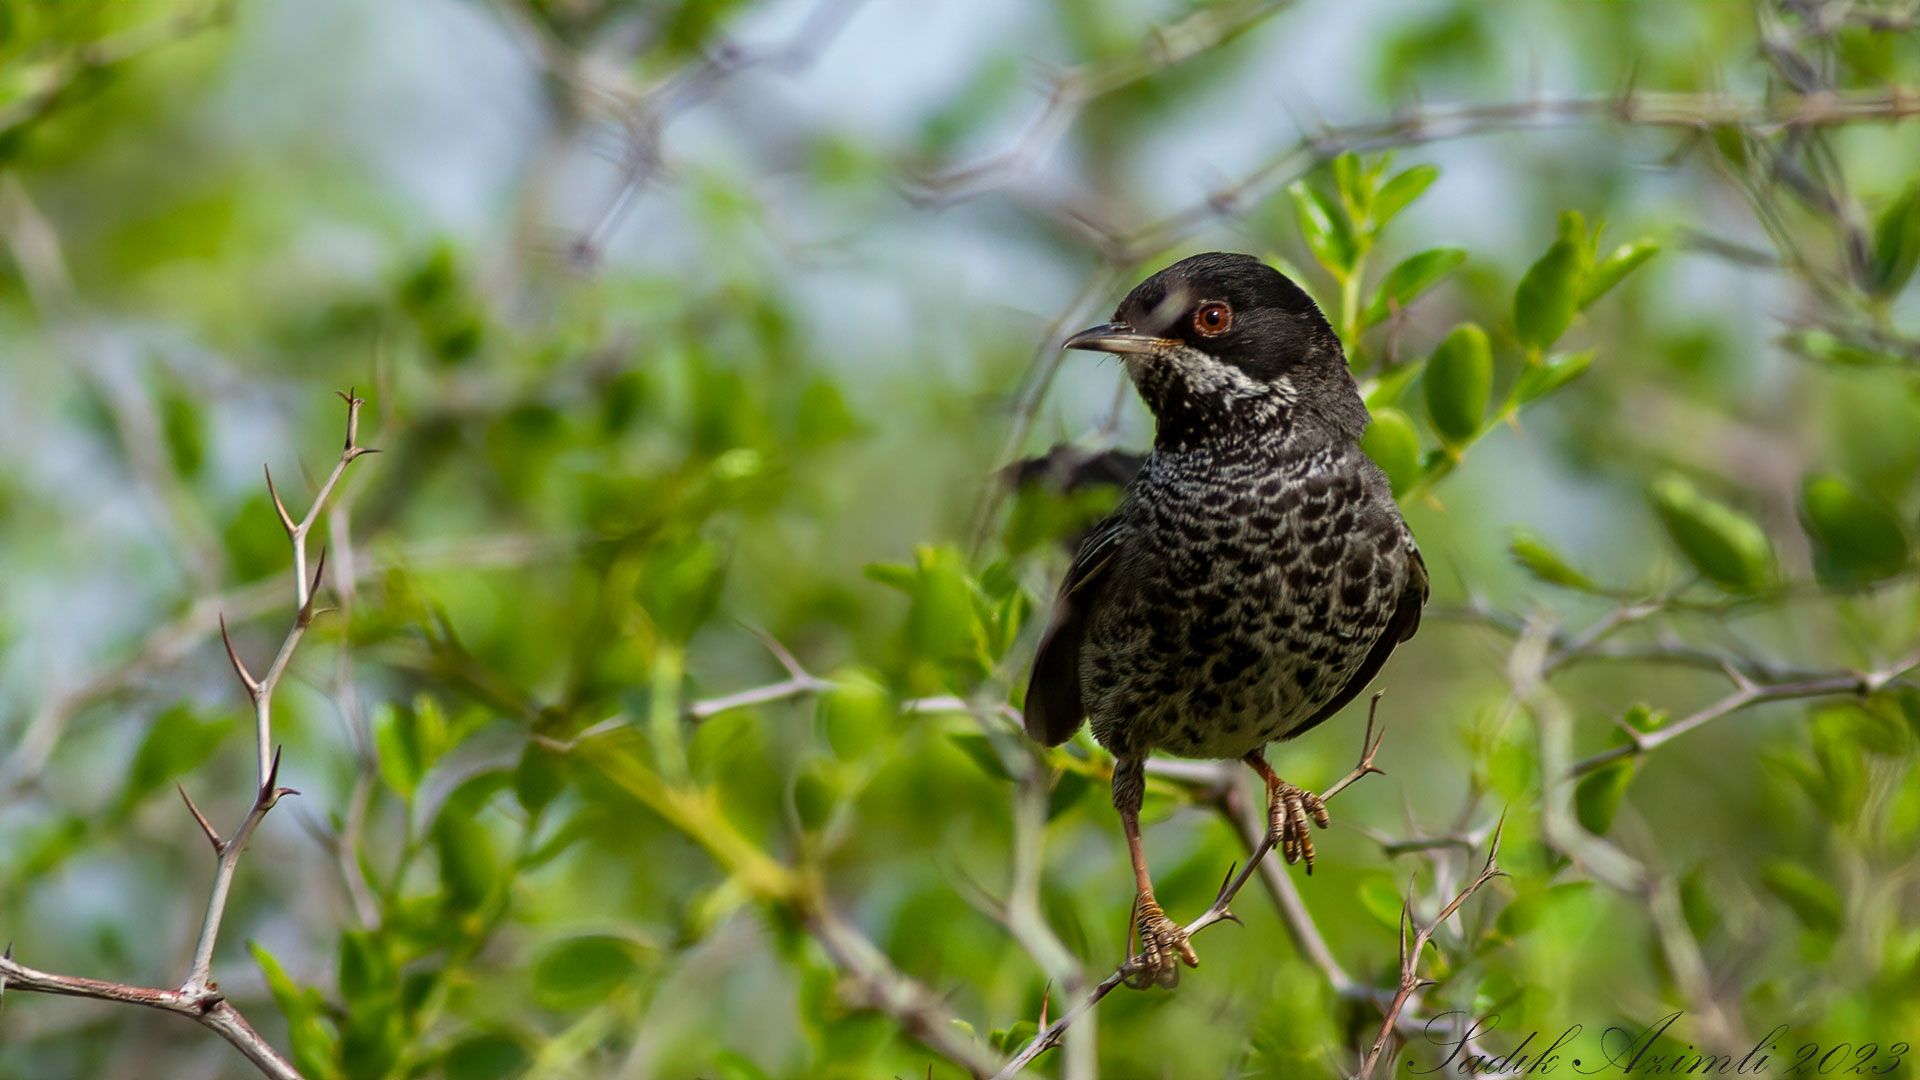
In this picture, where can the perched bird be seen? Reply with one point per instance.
(1255, 576)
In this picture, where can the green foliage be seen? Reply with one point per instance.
(563, 810)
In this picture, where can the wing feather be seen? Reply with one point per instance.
(1054, 709)
(1401, 626)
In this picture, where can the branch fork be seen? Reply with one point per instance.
(198, 996)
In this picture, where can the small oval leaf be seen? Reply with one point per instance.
(1609, 271)
(1411, 278)
(1597, 797)
(1395, 195)
(1394, 445)
(1896, 244)
(1857, 538)
(1548, 295)
(1812, 899)
(1458, 382)
(584, 971)
(1545, 563)
(1722, 543)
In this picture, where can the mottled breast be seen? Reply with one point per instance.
(1245, 594)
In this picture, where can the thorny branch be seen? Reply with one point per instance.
(1410, 980)
(198, 996)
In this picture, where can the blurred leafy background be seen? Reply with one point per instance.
(666, 723)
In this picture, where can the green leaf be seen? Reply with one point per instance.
(1830, 348)
(584, 971)
(1812, 899)
(1405, 282)
(315, 1046)
(1597, 797)
(1394, 445)
(1356, 194)
(1395, 195)
(1722, 543)
(1609, 271)
(816, 793)
(492, 1055)
(947, 619)
(366, 969)
(1573, 229)
(1538, 380)
(1700, 902)
(182, 427)
(1459, 381)
(1548, 295)
(1324, 227)
(1857, 538)
(466, 860)
(681, 585)
(177, 742)
(1896, 244)
(1380, 897)
(1067, 790)
(1015, 1037)
(1546, 564)
(1384, 389)
(408, 739)
(856, 714)
(1843, 768)
(983, 754)
(539, 777)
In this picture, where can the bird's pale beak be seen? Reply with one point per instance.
(1114, 337)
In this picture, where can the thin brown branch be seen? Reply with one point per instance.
(204, 1006)
(1410, 952)
(1436, 123)
(1749, 694)
(268, 792)
(1070, 91)
(197, 996)
(874, 982)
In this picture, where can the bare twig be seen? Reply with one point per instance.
(198, 996)
(1748, 694)
(206, 1007)
(260, 691)
(1410, 980)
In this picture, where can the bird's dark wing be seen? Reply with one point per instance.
(1401, 626)
(1053, 706)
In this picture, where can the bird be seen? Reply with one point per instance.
(1256, 573)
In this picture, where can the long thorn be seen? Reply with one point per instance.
(219, 846)
(246, 677)
(286, 519)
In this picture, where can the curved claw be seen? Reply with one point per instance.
(1288, 810)
(1163, 948)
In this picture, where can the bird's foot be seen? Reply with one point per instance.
(1288, 809)
(1163, 948)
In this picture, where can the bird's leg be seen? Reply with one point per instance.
(1288, 808)
(1163, 945)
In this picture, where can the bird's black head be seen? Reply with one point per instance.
(1222, 343)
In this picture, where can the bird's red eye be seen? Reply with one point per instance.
(1212, 318)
